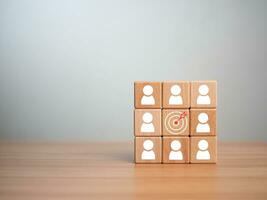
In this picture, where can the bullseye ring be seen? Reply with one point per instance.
(172, 125)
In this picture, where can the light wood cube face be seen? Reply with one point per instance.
(203, 149)
(175, 150)
(147, 122)
(203, 94)
(147, 94)
(148, 149)
(176, 94)
(203, 122)
(175, 122)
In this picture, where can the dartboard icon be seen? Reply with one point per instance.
(176, 122)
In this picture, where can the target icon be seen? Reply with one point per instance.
(176, 122)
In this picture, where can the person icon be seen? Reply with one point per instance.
(203, 153)
(148, 98)
(148, 153)
(203, 126)
(203, 97)
(175, 98)
(176, 153)
(147, 125)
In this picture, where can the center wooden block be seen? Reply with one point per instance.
(175, 122)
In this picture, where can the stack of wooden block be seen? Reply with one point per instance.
(175, 122)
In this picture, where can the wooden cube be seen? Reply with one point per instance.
(148, 149)
(203, 122)
(176, 94)
(147, 122)
(175, 150)
(175, 122)
(147, 94)
(203, 94)
(203, 149)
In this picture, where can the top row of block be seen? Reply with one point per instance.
(175, 94)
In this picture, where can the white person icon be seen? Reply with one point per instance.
(203, 126)
(203, 97)
(148, 98)
(176, 153)
(148, 153)
(147, 125)
(175, 98)
(203, 152)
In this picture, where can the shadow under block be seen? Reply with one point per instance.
(176, 94)
(147, 122)
(175, 150)
(175, 122)
(203, 122)
(148, 149)
(203, 149)
(203, 94)
(147, 94)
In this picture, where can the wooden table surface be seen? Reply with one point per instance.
(32, 170)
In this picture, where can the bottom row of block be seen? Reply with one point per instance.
(176, 149)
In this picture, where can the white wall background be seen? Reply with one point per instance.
(67, 67)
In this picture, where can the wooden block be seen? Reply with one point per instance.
(148, 149)
(147, 122)
(175, 150)
(203, 122)
(203, 149)
(203, 94)
(176, 94)
(175, 122)
(147, 94)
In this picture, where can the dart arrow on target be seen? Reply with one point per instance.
(180, 117)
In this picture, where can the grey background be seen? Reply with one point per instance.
(67, 67)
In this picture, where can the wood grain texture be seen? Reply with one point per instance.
(106, 171)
